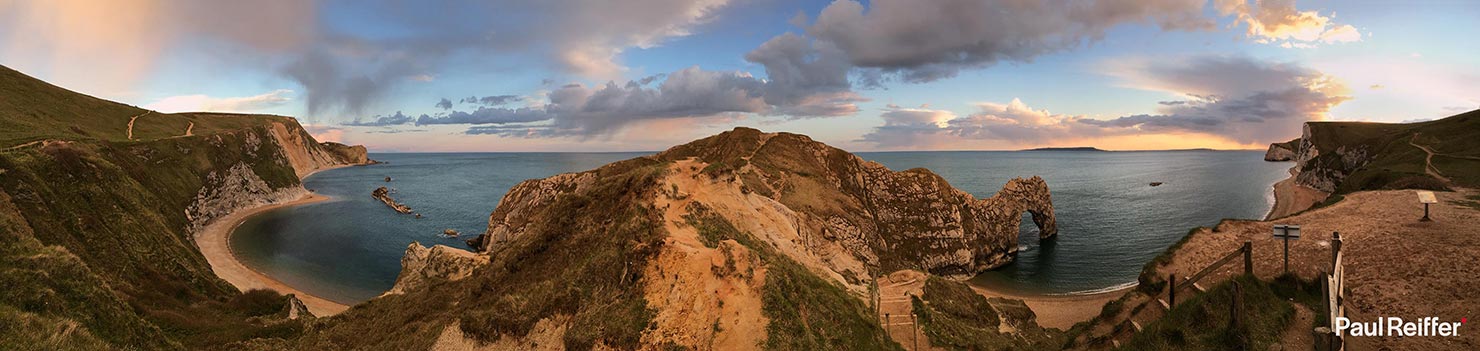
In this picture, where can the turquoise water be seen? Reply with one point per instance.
(1110, 220)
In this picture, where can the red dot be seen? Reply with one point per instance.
(1463, 320)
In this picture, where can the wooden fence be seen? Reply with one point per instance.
(1173, 285)
(1334, 285)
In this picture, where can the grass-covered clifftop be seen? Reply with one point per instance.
(97, 225)
(1355, 156)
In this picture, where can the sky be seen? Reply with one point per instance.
(643, 75)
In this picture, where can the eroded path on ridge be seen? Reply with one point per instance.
(1428, 161)
(131, 124)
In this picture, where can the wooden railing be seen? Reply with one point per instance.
(1173, 285)
(1334, 285)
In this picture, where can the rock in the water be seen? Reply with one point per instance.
(387, 179)
(1155, 183)
(450, 233)
(383, 194)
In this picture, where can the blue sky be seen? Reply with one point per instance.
(878, 75)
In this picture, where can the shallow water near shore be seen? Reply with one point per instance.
(1111, 221)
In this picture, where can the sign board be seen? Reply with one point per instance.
(1287, 231)
(1427, 197)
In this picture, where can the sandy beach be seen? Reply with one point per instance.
(1291, 198)
(1059, 311)
(1053, 311)
(214, 242)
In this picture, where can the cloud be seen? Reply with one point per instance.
(109, 45)
(1014, 122)
(445, 104)
(1235, 98)
(198, 103)
(1279, 21)
(324, 133)
(921, 41)
(586, 36)
(487, 115)
(493, 100)
(805, 79)
(382, 121)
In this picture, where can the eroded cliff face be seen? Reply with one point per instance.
(239, 185)
(880, 220)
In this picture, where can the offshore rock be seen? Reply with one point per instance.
(383, 194)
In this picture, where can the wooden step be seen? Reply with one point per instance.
(1116, 343)
(1136, 325)
(1164, 304)
(1199, 287)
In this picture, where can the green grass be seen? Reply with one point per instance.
(33, 110)
(1202, 322)
(1394, 163)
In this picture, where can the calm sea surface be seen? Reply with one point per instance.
(1110, 220)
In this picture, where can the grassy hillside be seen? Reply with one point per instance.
(94, 235)
(31, 109)
(1395, 162)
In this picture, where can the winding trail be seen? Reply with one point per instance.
(1428, 162)
(189, 129)
(131, 124)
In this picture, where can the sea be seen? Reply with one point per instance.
(1111, 220)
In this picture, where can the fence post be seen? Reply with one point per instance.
(1335, 249)
(1248, 257)
(1172, 290)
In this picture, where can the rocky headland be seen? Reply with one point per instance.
(1337, 158)
(737, 240)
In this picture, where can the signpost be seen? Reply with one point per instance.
(1287, 232)
(1426, 197)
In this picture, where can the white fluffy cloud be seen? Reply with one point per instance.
(198, 103)
(1279, 21)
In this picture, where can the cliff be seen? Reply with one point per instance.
(835, 202)
(1342, 157)
(1279, 152)
(100, 202)
(739, 240)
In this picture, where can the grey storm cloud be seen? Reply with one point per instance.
(444, 104)
(1235, 97)
(397, 118)
(893, 37)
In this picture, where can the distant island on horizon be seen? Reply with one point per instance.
(1071, 148)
